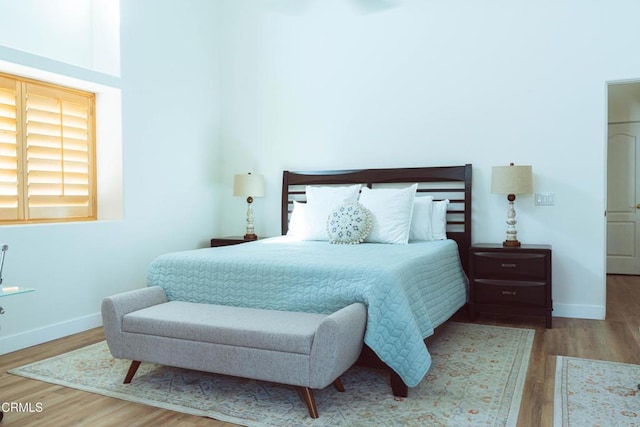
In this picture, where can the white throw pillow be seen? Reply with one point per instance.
(439, 220)
(391, 209)
(321, 201)
(298, 221)
(349, 223)
(421, 219)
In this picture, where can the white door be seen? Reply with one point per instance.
(623, 199)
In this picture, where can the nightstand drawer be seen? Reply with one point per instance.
(498, 265)
(506, 292)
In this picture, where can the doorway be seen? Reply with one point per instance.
(623, 170)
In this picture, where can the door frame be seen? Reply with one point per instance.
(608, 84)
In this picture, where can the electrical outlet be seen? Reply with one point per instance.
(545, 199)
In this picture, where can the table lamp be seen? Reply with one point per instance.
(249, 186)
(511, 180)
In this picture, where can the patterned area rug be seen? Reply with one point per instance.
(596, 393)
(476, 378)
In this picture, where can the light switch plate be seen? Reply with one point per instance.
(545, 199)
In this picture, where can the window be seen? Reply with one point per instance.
(47, 152)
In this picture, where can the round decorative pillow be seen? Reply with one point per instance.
(349, 223)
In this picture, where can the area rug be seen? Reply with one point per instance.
(596, 393)
(476, 378)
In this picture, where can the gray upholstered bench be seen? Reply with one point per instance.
(306, 350)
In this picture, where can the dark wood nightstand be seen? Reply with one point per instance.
(510, 280)
(228, 241)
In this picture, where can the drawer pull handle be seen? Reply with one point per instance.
(503, 265)
(509, 293)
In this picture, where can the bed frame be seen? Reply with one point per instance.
(445, 182)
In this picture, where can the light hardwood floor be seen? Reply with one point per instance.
(615, 339)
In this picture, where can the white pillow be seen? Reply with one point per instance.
(391, 209)
(298, 221)
(421, 219)
(439, 220)
(321, 201)
(349, 223)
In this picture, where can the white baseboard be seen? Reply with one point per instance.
(595, 312)
(49, 333)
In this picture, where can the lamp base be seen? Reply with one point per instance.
(511, 243)
(250, 237)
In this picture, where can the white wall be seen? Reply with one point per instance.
(84, 33)
(170, 122)
(329, 86)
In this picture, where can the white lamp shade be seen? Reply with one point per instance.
(248, 185)
(512, 180)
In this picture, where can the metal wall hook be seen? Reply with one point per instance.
(1, 310)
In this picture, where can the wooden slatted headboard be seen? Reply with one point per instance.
(446, 182)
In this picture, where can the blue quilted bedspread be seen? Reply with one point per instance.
(408, 289)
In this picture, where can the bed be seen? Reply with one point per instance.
(409, 289)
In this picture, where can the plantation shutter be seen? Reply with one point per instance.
(47, 152)
(59, 154)
(10, 202)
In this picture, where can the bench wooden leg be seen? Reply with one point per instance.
(307, 395)
(310, 400)
(135, 364)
